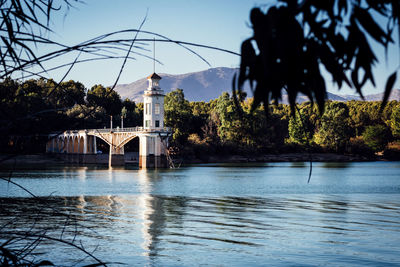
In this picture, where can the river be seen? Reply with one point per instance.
(208, 215)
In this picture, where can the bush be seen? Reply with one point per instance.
(392, 151)
(376, 137)
(357, 146)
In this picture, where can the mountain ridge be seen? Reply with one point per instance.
(209, 84)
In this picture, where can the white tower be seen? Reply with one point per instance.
(153, 114)
(153, 141)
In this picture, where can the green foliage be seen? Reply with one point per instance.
(177, 114)
(376, 137)
(301, 126)
(357, 146)
(395, 121)
(133, 113)
(43, 106)
(99, 96)
(249, 129)
(334, 131)
(123, 112)
(359, 116)
(66, 94)
(200, 114)
(228, 117)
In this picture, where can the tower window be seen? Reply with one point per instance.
(148, 109)
(147, 123)
(157, 123)
(157, 108)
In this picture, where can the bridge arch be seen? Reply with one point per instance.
(126, 140)
(76, 144)
(100, 136)
(70, 147)
(80, 144)
(60, 144)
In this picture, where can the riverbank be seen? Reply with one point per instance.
(61, 159)
(51, 159)
(286, 157)
(29, 159)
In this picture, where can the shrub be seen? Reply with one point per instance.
(376, 137)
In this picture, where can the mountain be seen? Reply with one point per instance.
(209, 84)
(197, 86)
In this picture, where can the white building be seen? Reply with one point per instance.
(154, 140)
(153, 114)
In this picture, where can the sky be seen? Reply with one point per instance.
(219, 23)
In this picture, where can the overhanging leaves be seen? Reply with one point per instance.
(296, 37)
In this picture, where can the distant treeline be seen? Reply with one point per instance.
(30, 110)
(219, 126)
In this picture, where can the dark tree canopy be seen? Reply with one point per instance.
(293, 39)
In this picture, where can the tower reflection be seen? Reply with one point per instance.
(153, 212)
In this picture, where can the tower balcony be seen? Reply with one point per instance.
(153, 92)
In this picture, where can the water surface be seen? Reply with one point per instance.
(211, 215)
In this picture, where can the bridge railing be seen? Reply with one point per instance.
(129, 129)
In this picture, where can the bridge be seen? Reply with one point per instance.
(153, 145)
(153, 137)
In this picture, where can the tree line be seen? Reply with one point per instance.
(221, 126)
(32, 109)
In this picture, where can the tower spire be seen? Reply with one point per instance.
(154, 55)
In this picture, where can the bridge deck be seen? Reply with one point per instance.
(122, 130)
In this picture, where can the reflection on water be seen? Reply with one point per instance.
(163, 230)
(167, 218)
(340, 165)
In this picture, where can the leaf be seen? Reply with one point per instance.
(96, 264)
(342, 5)
(248, 56)
(11, 51)
(31, 53)
(369, 24)
(388, 89)
(236, 90)
(10, 29)
(396, 15)
(354, 79)
(44, 263)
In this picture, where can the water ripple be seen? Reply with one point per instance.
(279, 230)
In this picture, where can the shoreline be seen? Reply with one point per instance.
(285, 157)
(51, 159)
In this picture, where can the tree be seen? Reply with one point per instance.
(228, 117)
(395, 121)
(65, 94)
(334, 131)
(376, 137)
(107, 98)
(177, 114)
(359, 116)
(134, 113)
(200, 113)
(248, 130)
(295, 37)
(302, 126)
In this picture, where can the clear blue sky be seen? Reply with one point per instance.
(220, 23)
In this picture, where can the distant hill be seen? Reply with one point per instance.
(209, 84)
(197, 86)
